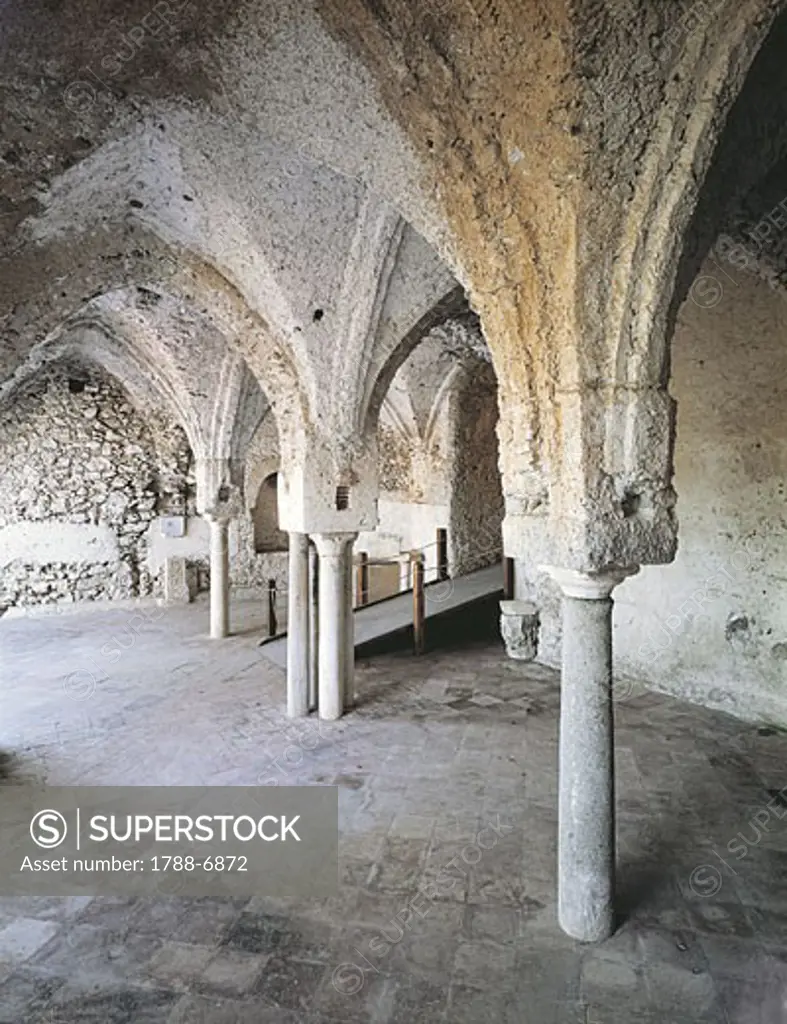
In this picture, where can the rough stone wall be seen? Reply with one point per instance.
(477, 508)
(251, 570)
(396, 460)
(80, 488)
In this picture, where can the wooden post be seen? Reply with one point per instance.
(508, 579)
(362, 578)
(419, 604)
(272, 623)
(442, 555)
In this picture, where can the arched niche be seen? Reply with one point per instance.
(265, 516)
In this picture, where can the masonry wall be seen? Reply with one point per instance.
(81, 484)
(477, 507)
(712, 626)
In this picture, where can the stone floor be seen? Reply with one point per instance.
(447, 775)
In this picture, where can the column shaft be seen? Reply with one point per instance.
(333, 595)
(298, 627)
(349, 630)
(586, 830)
(219, 578)
(586, 848)
(314, 625)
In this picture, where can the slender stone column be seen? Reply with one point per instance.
(332, 661)
(586, 813)
(298, 627)
(349, 629)
(314, 625)
(219, 577)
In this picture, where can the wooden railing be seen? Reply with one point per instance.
(414, 568)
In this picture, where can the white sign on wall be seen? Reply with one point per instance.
(173, 526)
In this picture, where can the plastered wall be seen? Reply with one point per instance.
(713, 625)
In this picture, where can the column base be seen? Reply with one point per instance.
(176, 581)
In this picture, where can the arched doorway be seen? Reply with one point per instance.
(265, 514)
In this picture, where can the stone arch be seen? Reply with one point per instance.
(678, 161)
(99, 340)
(452, 304)
(751, 150)
(439, 459)
(101, 263)
(610, 449)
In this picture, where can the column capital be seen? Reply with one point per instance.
(219, 520)
(588, 586)
(332, 545)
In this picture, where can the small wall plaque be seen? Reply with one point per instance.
(173, 526)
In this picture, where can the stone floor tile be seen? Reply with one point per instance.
(411, 826)
(96, 956)
(400, 865)
(482, 963)
(20, 939)
(212, 1010)
(675, 990)
(414, 1001)
(353, 993)
(230, 972)
(498, 924)
(205, 922)
(24, 994)
(45, 908)
(177, 965)
(112, 912)
(720, 918)
(550, 975)
(71, 1005)
(156, 916)
(426, 946)
(280, 935)
(289, 984)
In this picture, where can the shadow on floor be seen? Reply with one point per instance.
(454, 630)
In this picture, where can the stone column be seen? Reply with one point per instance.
(298, 627)
(349, 629)
(314, 625)
(219, 577)
(332, 659)
(586, 807)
